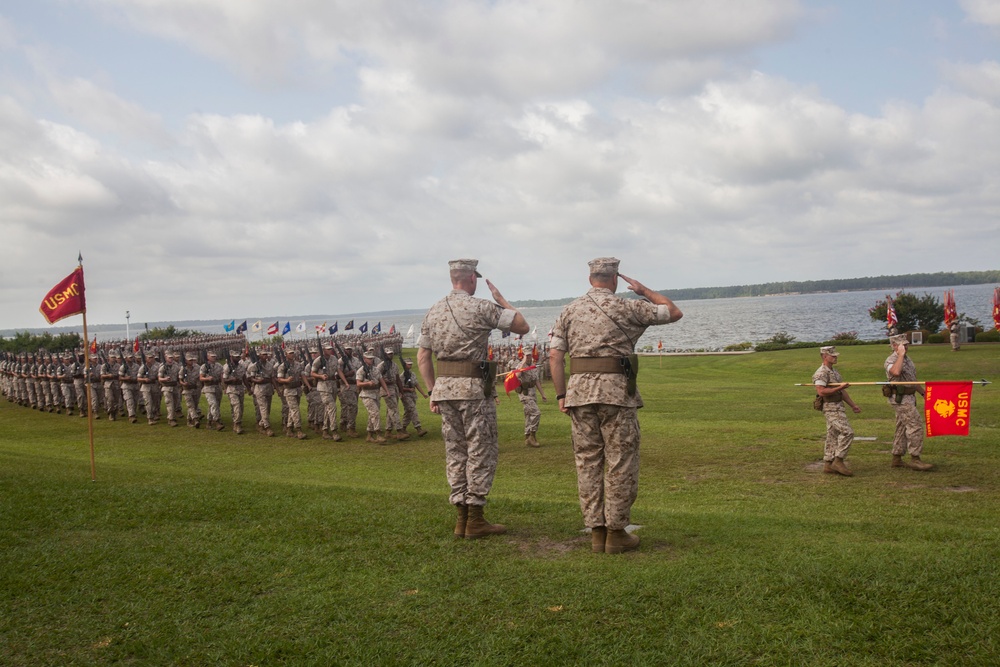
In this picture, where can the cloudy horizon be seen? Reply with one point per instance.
(215, 157)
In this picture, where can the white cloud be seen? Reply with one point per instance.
(532, 135)
(986, 12)
(106, 113)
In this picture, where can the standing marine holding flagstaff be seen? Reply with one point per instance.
(909, 435)
(839, 434)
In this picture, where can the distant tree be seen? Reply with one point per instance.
(912, 312)
(28, 342)
(166, 332)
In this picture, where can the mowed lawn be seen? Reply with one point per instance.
(204, 548)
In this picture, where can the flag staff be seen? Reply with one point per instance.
(981, 383)
(87, 385)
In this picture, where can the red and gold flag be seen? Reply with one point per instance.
(511, 381)
(950, 308)
(534, 352)
(66, 298)
(996, 308)
(947, 406)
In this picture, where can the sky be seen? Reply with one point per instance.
(221, 159)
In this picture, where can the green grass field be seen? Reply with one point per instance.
(204, 548)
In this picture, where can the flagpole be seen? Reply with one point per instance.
(89, 390)
(982, 383)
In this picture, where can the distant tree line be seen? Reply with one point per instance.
(941, 279)
(24, 341)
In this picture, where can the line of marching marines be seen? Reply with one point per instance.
(169, 378)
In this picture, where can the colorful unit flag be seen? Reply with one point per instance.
(273, 330)
(333, 329)
(242, 327)
(135, 345)
(511, 381)
(321, 328)
(392, 329)
(950, 310)
(349, 326)
(65, 299)
(93, 345)
(256, 326)
(890, 313)
(534, 352)
(301, 327)
(947, 406)
(230, 326)
(996, 308)
(363, 328)
(287, 328)
(377, 328)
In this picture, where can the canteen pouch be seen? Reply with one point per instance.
(630, 366)
(888, 390)
(818, 402)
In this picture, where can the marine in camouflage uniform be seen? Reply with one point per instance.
(526, 392)
(390, 373)
(260, 374)
(456, 331)
(328, 375)
(290, 376)
(112, 387)
(168, 377)
(370, 386)
(128, 373)
(599, 331)
(909, 435)
(96, 389)
(190, 381)
(64, 371)
(408, 396)
(77, 369)
(349, 393)
(210, 376)
(149, 388)
(234, 379)
(839, 434)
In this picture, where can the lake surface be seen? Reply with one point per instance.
(708, 324)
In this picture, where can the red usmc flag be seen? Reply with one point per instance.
(947, 406)
(65, 299)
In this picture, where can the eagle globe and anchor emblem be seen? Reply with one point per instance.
(944, 408)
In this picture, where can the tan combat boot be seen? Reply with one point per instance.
(840, 467)
(619, 541)
(461, 521)
(897, 461)
(300, 435)
(916, 464)
(598, 539)
(401, 435)
(534, 439)
(828, 468)
(326, 435)
(477, 526)
(380, 437)
(370, 437)
(421, 432)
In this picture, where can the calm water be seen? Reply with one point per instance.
(708, 324)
